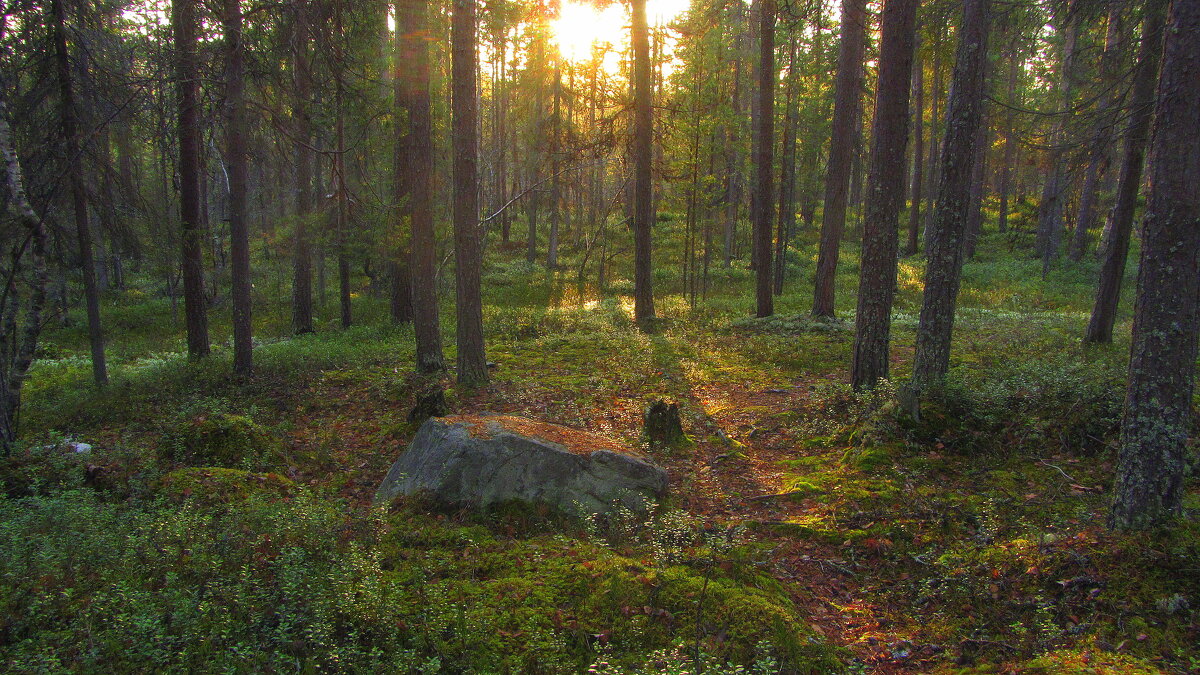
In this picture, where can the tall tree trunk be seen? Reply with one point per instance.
(235, 149)
(918, 155)
(765, 160)
(472, 363)
(889, 140)
(302, 282)
(1151, 463)
(72, 138)
(1112, 268)
(184, 24)
(412, 18)
(848, 91)
(643, 189)
(404, 161)
(944, 245)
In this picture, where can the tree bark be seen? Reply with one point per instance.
(235, 150)
(643, 189)
(1010, 141)
(184, 24)
(848, 91)
(412, 17)
(944, 245)
(472, 363)
(889, 140)
(765, 160)
(18, 350)
(74, 160)
(1054, 190)
(1149, 486)
(1112, 268)
(787, 176)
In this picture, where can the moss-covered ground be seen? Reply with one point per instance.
(809, 529)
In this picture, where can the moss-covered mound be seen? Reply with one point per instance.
(219, 439)
(216, 485)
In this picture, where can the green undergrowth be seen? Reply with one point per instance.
(260, 581)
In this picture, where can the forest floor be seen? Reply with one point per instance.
(971, 541)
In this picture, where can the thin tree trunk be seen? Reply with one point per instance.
(765, 160)
(643, 189)
(302, 293)
(848, 91)
(914, 214)
(184, 23)
(1149, 486)
(235, 149)
(787, 176)
(472, 363)
(1054, 190)
(71, 136)
(555, 150)
(944, 247)
(1112, 268)
(1010, 141)
(889, 140)
(978, 184)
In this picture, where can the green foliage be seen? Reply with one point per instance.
(222, 440)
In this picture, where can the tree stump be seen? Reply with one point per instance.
(430, 403)
(661, 425)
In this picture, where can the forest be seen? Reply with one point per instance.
(653, 337)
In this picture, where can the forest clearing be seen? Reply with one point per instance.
(872, 254)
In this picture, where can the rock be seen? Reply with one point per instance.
(484, 460)
(662, 427)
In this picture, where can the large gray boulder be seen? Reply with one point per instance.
(487, 459)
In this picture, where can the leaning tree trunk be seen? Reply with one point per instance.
(184, 24)
(1112, 269)
(848, 91)
(1149, 485)
(235, 139)
(472, 363)
(71, 135)
(889, 140)
(765, 160)
(943, 273)
(16, 351)
(643, 189)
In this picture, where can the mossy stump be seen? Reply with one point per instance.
(431, 402)
(662, 427)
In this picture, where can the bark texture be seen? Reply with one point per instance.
(412, 27)
(1154, 431)
(877, 281)
(944, 243)
(235, 155)
(468, 249)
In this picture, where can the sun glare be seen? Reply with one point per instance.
(581, 26)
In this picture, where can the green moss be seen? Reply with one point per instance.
(1090, 662)
(213, 485)
(224, 440)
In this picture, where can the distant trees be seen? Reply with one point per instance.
(1158, 404)
(1114, 255)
